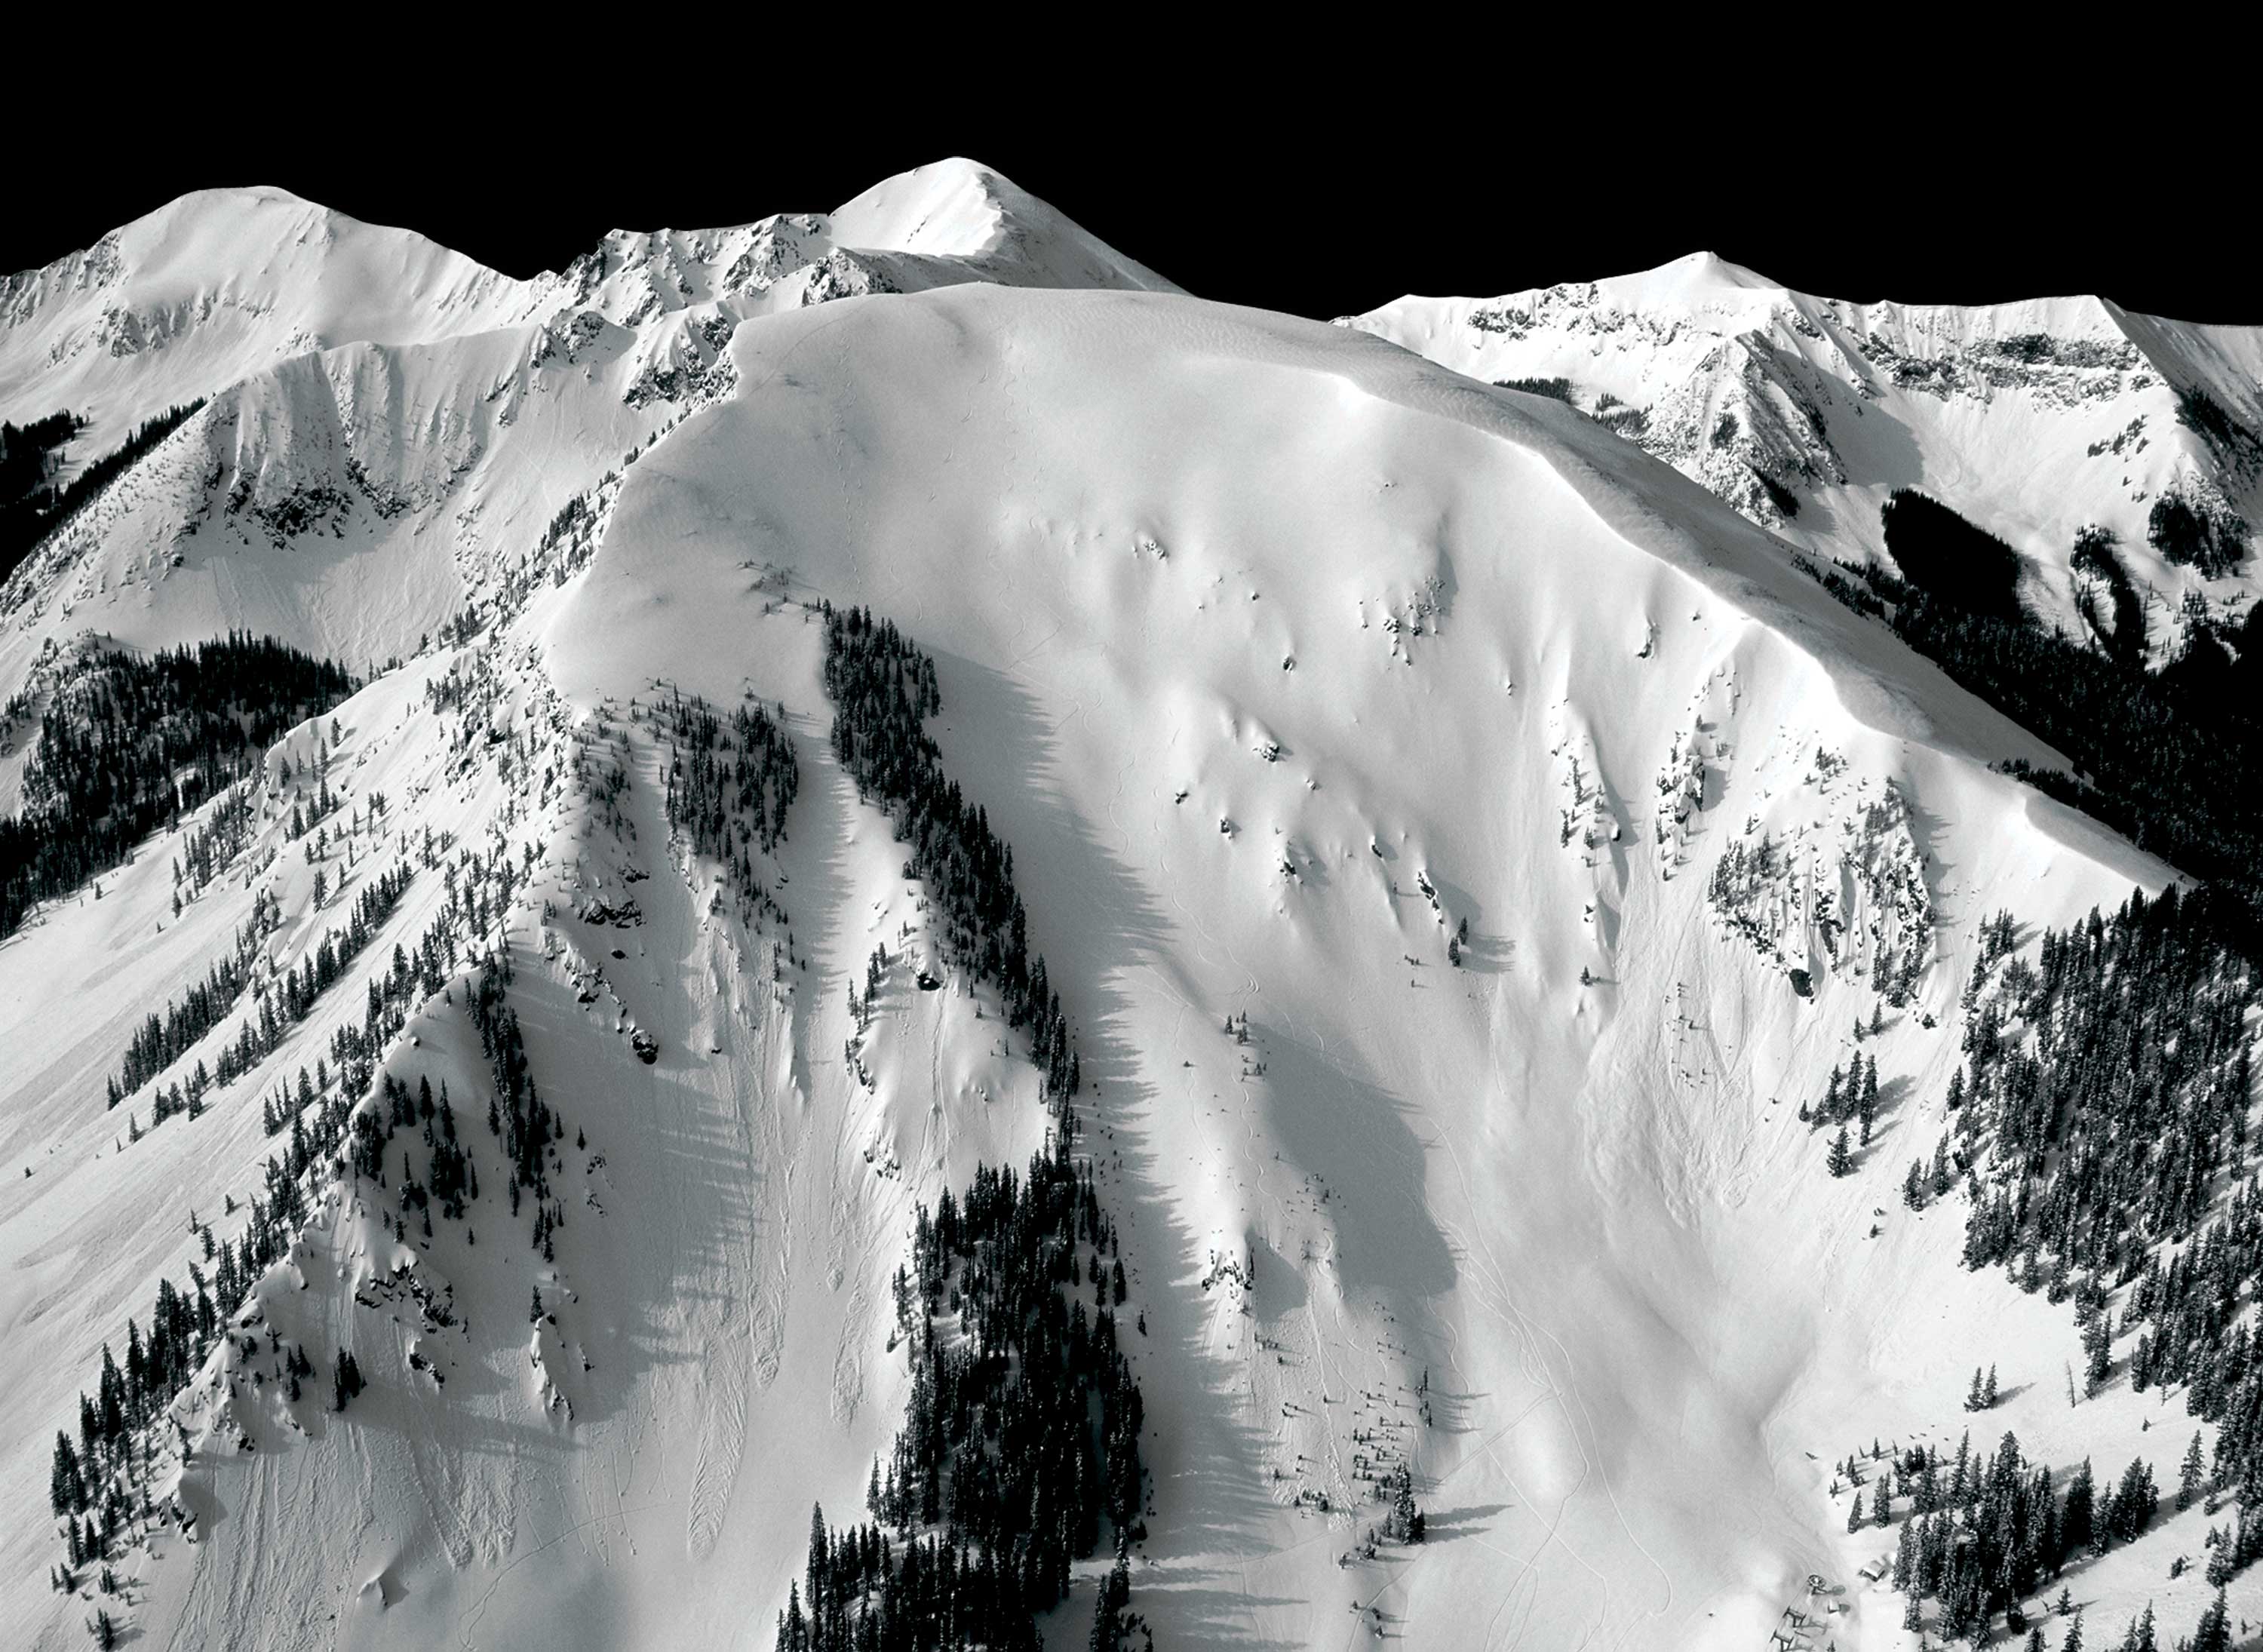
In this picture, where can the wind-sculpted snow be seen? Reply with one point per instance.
(1369, 743)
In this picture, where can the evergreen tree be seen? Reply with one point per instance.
(1115, 1592)
(127, 742)
(2189, 1474)
(1021, 1433)
(1841, 1159)
(2213, 1634)
(1409, 1517)
(346, 1380)
(2140, 1637)
(66, 1485)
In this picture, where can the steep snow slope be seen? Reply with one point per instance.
(356, 498)
(2033, 418)
(1277, 654)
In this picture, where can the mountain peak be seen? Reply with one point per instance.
(1694, 275)
(960, 209)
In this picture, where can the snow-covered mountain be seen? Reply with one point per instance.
(1461, 843)
(221, 285)
(409, 423)
(2033, 419)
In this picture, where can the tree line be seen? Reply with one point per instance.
(1981, 1535)
(883, 689)
(281, 1005)
(27, 516)
(100, 1479)
(129, 743)
(2171, 758)
(1021, 1431)
(729, 787)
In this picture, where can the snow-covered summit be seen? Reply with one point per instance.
(1695, 278)
(187, 298)
(222, 283)
(418, 415)
(961, 209)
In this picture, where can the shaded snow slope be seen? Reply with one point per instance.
(2033, 418)
(1277, 654)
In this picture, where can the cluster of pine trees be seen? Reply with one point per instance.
(724, 783)
(2170, 758)
(2103, 1114)
(2191, 534)
(864, 1592)
(98, 1471)
(288, 1109)
(1023, 1428)
(1741, 879)
(28, 453)
(161, 1040)
(453, 1178)
(280, 1006)
(129, 745)
(2107, 1093)
(883, 689)
(211, 842)
(729, 788)
(2102, 1120)
(1021, 1431)
(1406, 1523)
(327, 1128)
(2096, 554)
(1981, 1535)
(529, 1129)
(28, 516)
(346, 1380)
(997, 1439)
(1945, 557)
(479, 889)
(308, 813)
(1850, 1095)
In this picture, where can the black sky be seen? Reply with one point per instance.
(1317, 194)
